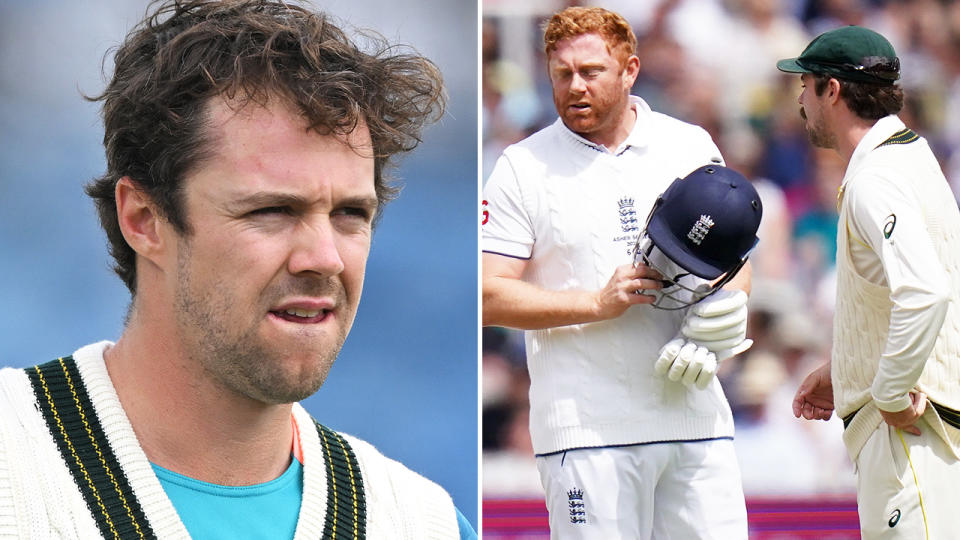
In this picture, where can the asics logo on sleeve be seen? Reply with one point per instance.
(888, 226)
(894, 518)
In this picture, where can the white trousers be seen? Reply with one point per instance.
(908, 486)
(662, 491)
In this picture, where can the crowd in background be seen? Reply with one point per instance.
(713, 63)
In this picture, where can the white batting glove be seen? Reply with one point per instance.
(692, 364)
(687, 362)
(719, 323)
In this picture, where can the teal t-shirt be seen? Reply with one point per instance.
(213, 512)
(466, 530)
(268, 511)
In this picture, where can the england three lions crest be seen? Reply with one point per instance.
(700, 229)
(629, 224)
(628, 215)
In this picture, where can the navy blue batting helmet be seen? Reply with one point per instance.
(705, 224)
(707, 221)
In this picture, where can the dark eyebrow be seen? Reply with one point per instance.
(370, 203)
(265, 199)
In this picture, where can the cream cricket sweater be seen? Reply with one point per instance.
(874, 326)
(39, 498)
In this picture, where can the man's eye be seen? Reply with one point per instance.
(270, 210)
(350, 211)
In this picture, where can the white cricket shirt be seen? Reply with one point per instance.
(574, 209)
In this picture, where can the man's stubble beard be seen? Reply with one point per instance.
(818, 135)
(244, 363)
(607, 113)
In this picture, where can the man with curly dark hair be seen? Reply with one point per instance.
(248, 144)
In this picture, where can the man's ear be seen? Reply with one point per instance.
(139, 219)
(832, 92)
(630, 71)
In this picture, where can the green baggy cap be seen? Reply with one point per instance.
(853, 53)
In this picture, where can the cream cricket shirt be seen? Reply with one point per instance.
(898, 265)
(574, 210)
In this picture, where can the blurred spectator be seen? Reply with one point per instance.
(815, 226)
(510, 103)
(770, 259)
(509, 468)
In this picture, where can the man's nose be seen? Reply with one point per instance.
(315, 249)
(578, 85)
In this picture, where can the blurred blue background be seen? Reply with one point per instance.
(409, 367)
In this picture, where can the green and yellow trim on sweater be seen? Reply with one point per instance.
(904, 136)
(65, 405)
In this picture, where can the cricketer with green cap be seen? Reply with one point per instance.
(894, 373)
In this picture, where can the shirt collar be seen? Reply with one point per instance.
(638, 137)
(881, 131)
